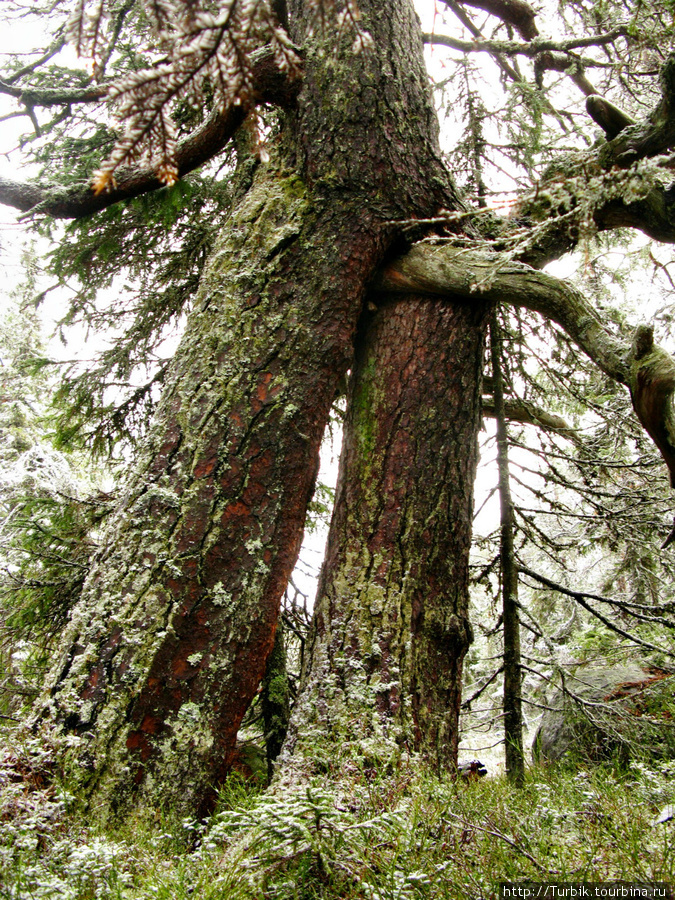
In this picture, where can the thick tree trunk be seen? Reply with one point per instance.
(391, 626)
(169, 642)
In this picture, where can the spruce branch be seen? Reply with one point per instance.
(270, 85)
(207, 59)
(581, 597)
(56, 47)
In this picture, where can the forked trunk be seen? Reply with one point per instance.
(169, 642)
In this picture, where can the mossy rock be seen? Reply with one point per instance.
(618, 712)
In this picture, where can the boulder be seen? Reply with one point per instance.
(607, 712)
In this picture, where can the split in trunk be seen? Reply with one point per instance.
(170, 640)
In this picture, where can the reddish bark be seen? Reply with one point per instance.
(197, 555)
(391, 627)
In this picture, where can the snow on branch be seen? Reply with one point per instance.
(79, 200)
(206, 59)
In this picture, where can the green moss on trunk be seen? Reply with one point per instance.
(391, 625)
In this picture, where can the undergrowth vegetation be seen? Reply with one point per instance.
(353, 832)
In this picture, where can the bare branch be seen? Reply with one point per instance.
(580, 598)
(466, 704)
(529, 414)
(531, 49)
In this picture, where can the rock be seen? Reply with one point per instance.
(609, 720)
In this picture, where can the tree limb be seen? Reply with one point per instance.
(512, 12)
(647, 370)
(653, 135)
(529, 414)
(579, 597)
(531, 49)
(50, 97)
(652, 383)
(609, 117)
(466, 704)
(626, 606)
(562, 62)
(506, 67)
(589, 187)
(547, 54)
(79, 200)
(56, 47)
(447, 270)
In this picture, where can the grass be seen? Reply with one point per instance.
(352, 833)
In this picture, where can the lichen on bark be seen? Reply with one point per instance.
(169, 643)
(391, 625)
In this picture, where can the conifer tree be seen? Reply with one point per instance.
(336, 240)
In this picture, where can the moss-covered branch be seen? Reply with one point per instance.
(647, 370)
(444, 270)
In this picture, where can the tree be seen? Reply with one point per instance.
(312, 274)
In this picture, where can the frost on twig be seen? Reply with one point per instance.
(206, 59)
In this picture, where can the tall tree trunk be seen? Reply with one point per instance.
(391, 626)
(169, 642)
(513, 705)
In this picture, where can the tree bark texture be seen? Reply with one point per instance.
(169, 642)
(391, 626)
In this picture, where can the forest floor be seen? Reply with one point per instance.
(352, 832)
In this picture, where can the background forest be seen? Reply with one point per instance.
(570, 574)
